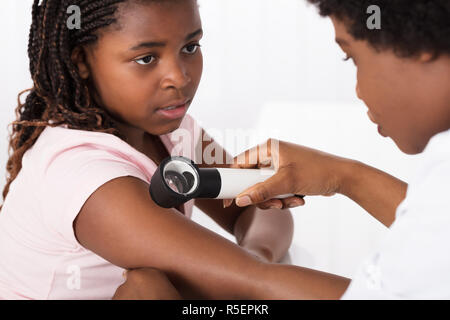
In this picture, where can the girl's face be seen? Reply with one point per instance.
(407, 97)
(146, 69)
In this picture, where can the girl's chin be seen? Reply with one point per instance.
(165, 127)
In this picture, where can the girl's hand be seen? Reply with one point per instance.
(300, 170)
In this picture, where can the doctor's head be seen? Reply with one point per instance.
(402, 55)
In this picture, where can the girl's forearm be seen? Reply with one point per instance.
(297, 283)
(265, 233)
(271, 281)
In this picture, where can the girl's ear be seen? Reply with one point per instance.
(79, 60)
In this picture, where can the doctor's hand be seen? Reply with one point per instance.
(300, 171)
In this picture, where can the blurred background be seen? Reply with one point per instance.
(271, 68)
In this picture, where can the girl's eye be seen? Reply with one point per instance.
(145, 60)
(192, 48)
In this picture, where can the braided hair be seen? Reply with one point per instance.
(59, 95)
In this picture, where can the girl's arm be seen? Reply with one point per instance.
(121, 223)
(265, 233)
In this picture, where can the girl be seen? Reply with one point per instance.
(87, 140)
(106, 103)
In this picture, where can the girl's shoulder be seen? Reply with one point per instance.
(60, 147)
(62, 136)
(81, 146)
(55, 138)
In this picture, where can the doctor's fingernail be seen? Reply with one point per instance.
(227, 203)
(243, 201)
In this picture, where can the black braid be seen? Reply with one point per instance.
(59, 95)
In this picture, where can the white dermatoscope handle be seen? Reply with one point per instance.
(235, 181)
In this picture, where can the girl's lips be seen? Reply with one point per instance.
(175, 113)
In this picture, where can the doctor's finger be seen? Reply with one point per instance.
(270, 204)
(288, 203)
(276, 185)
(227, 202)
(293, 202)
(256, 157)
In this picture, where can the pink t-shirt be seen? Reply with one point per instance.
(40, 257)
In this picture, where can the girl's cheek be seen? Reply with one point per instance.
(197, 69)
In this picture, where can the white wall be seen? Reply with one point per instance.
(15, 19)
(272, 66)
(265, 50)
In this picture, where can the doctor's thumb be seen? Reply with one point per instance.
(263, 191)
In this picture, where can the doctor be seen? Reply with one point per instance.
(404, 79)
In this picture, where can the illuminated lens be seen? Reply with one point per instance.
(180, 183)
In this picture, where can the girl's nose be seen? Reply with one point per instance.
(175, 76)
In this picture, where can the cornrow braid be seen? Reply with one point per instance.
(59, 95)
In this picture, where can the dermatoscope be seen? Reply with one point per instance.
(178, 180)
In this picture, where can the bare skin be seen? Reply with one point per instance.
(120, 222)
(146, 284)
(407, 97)
(310, 172)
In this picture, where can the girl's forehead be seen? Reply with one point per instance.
(157, 18)
(150, 22)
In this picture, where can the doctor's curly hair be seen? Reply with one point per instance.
(59, 95)
(408, 27)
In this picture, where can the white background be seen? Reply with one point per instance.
(271, 66)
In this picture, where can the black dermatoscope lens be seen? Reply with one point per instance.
(176, 181)
(181, 183)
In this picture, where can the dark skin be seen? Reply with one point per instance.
(146, 284)
(409, 100)
(121, 223)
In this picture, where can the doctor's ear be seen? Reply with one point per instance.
(79, 60)
(426, 57)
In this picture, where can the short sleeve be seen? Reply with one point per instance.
(71, 177)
